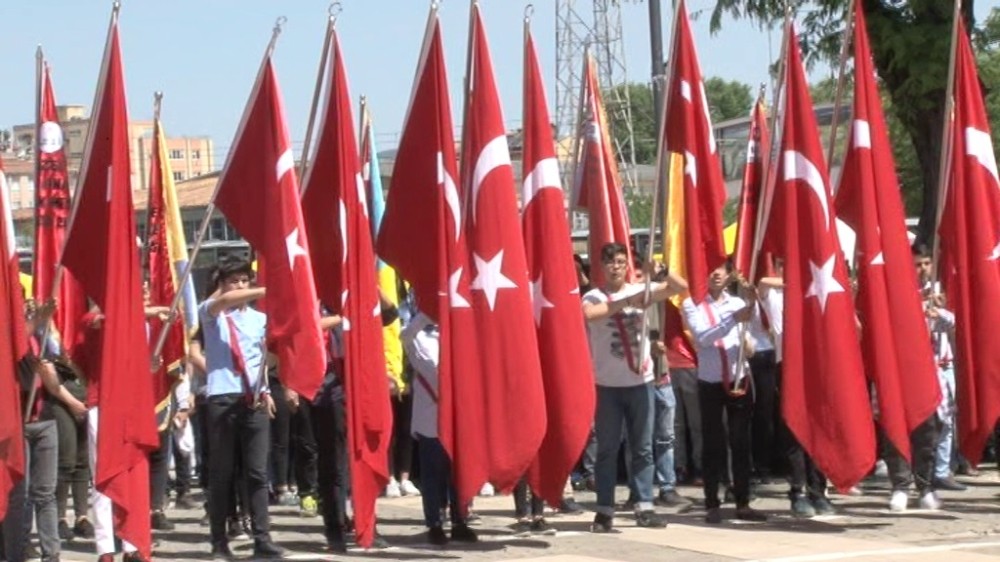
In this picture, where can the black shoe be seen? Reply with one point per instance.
(603, 523)
(106, 558)
(159, 522)
(649, 519)
(823, 506)
(713, 516)
(521, 528)
(267, 549)
(949, 483)
(235, 530)
(133, 557)
(670, 498)
(462, 533)
(31, 552)
(185, 502)
(541, 527)
(65, 533)
(802, 507)
(437, 536)
(590, 483)
(379, 543)
(569, 507)
(729, 497)
(221, 552)
(748, 513)
(83, 528)
(205, 521)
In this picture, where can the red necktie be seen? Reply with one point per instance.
(239, 364)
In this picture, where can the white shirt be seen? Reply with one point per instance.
(609, 337)
(773, 302)
(716, 335)
(421, 341)
(760, 335)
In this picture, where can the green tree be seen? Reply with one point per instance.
(910, 42)
(727, 99)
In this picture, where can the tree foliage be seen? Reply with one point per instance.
(727, 99)
(910, 43)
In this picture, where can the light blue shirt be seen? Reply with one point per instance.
(250, 328)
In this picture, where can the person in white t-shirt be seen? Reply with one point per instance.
(624, 376)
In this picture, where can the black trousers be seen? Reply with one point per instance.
(159, 465)
(74, 464)
(281, 427)
(237, 431)
(182, 467)
(765, 410)
(521, 502)
(923, 444)
(715, 404)
(804, 477)
(401, 446)
(293, 443)
(329, 421)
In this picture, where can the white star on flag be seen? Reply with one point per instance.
(294, 248)
(879, 259)
(489, 277)
(823, 283)
(996, 253)
(538, 300)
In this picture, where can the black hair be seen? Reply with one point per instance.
(228, 266)
(921, 250)
(612, 249)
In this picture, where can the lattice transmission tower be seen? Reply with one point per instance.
(596, 24)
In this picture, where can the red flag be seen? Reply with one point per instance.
(758, 149)
(513, 397)
(334, 195)
(258, 192)
(824, 394)
(52, 209)
(161, 275)
(896, 349)
(422, 237)
(13, 345)
(596, 185)
(567, 371)
(970, 241)
(689, 133)
(102, 254)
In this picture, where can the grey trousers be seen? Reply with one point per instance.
(687, 420)
(41, 459)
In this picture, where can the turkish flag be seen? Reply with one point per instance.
(334, 196)
(970, 244)
(161, 273)
(512, 403)
(13, 346)
(824, 392)
(422, 237)
(896, 348)
(258, 192)
(596, 185)
(689, 133)
(752, 196)
(101, 252)
(567, 373)
(52, 209)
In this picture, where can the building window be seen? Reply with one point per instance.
(176, 154)
(178, 176)
(16, 204)
(196, 154)
(217, 229)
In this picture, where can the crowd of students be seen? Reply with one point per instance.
(689, 414)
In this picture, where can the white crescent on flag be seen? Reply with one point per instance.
(798, 167)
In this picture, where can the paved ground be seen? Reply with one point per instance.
(967, 530)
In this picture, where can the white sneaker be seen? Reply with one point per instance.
(881, 469)
(897, 504)
(930, 501)
(487, 491)
(392, 489)
(408, 488)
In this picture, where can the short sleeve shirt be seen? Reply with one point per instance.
(250, 330)
(616, 338)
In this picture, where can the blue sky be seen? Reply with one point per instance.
(203, 54)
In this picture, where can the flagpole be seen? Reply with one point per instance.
(467, 167)
(157, 104)
(334, 11)
(838, 96)
(362, 123)
(161, 338)
(764, 211)
(662, 164)
(946, 139)
(575, 147)
(39, 58)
